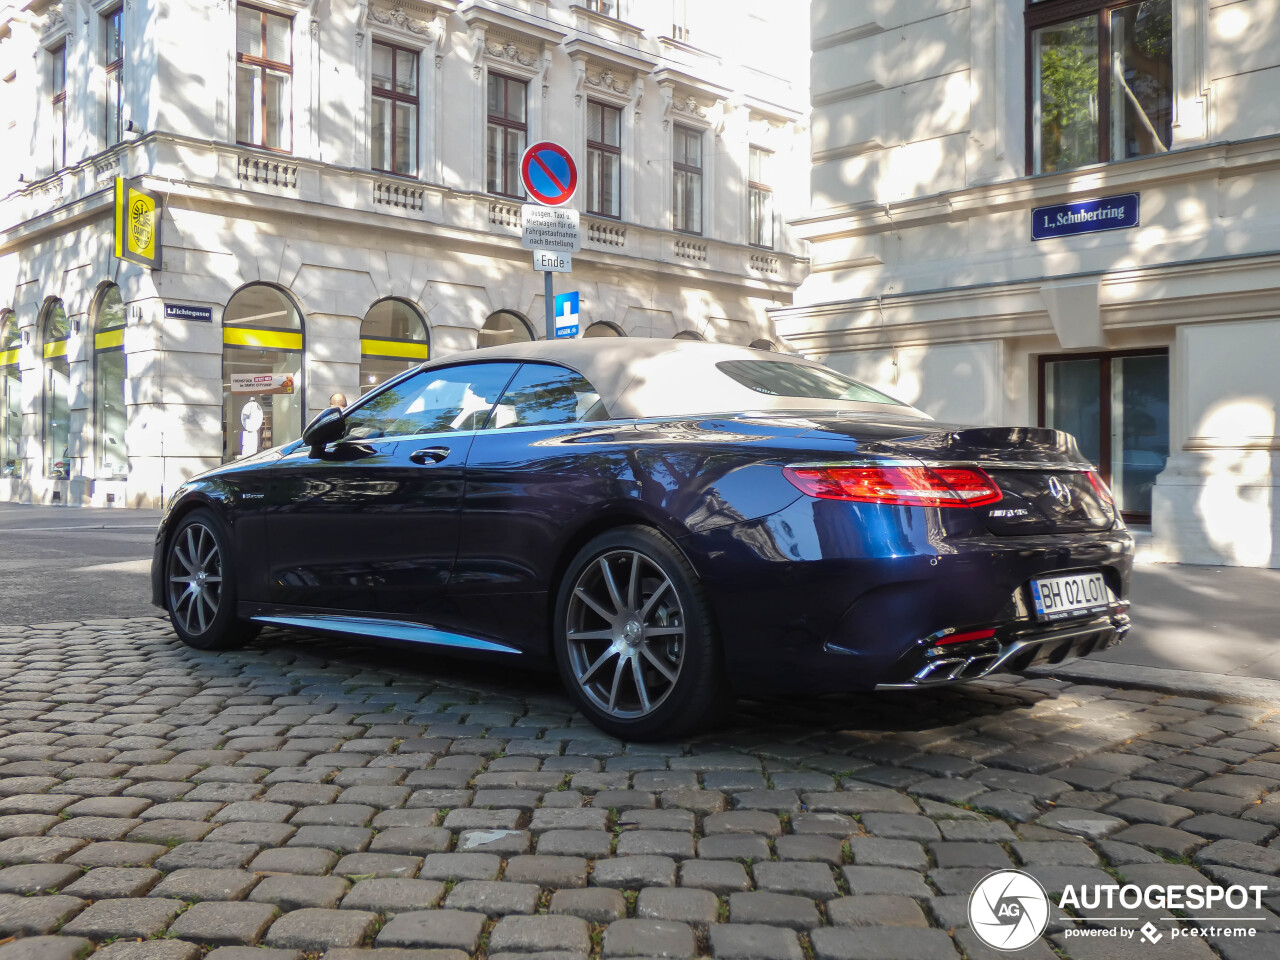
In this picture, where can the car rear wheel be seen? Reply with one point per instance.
(634, 639)
(199, 586)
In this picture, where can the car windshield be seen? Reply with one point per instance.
(779, 378)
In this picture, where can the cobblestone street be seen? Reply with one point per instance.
(309, 797)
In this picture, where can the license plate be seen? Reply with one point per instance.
(1078, 595)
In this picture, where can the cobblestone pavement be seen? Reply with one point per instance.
(311, 797)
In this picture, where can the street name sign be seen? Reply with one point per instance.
(551, 229)
(1085, 216)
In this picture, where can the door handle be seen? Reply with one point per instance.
(429, 455)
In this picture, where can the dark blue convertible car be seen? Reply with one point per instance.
(669, 522)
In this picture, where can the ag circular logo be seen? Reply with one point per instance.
(1008, 910)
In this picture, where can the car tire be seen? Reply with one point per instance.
(199, 585)
(634, 638)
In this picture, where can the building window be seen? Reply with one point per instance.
(395, 110)
(504, 327)
(608, 8)
(10, 397)
(1101, 78)
(687, 186)
(680, 20)
(56, 405)
(111, 462)
(262, 386)
(113, 57)
(264, 77)
(508, 131)
(393, 339)
(1116, 405)
(604, 160)
(603, 328)
(760, 199)
(58, 59)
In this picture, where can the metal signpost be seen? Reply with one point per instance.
(550, 177)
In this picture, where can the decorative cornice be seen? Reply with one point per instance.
(397, 19)
(511, 52)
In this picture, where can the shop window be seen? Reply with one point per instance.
(393, 339)
(759, 199)
(1101, 81)
(686, 198)
(58, 70)
(262, 388)
(604, 159)
(394, 127)
(264, 78)
(110, 460)
(1116, 405)
(507, 134)
(764, 345)
(113, 57)
(603, 329)
(10, 397)
(504, 327)
(56, 402)
(688, 335)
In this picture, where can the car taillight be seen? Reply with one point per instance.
(909, 486)
(1100, 487)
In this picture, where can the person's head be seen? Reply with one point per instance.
(338, 400)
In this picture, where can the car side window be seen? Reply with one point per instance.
(544, 393)
(432, 401)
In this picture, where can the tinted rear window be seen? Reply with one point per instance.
(778, 378)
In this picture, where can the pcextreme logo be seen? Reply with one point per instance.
(1009, 910)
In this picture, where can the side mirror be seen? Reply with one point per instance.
(327, 427)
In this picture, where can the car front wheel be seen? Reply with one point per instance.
(199, 585)
(634, 638)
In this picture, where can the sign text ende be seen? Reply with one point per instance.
(545, 260)
(550, 228)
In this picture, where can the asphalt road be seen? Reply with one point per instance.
(60, 563)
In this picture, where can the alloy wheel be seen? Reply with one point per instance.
(195, 578)
(625, 628)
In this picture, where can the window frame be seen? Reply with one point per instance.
(395, 96)
(754, 188)
(263, 64)
(114, 69)
(599, 146)
(369, 397)
(1047, 13)
(58, 59)
(679, 129)
(513, 191)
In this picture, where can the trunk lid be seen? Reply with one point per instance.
(1042, 474)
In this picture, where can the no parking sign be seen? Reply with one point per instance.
(548, 173)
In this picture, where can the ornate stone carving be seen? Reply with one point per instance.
(55, 21)
(398, 19)
(509, 51)
(688, 105)
(605, 80)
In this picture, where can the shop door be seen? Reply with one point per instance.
(1117, 407)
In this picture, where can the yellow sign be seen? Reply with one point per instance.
(137, 224)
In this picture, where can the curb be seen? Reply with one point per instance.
(1216, 686)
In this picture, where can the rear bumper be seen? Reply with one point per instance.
(1011, 650)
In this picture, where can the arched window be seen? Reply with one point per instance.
(56, 405)
(262, 388)
(603, 328)
(763, 345)
(110, 460)
(688, 335)
(505, 326)
(393, 339)
(10, 397)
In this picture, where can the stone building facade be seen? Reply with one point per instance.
(967, 155)
(340, 201)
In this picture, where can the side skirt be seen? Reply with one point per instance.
(386, 630)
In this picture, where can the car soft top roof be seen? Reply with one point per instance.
(644, 377)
